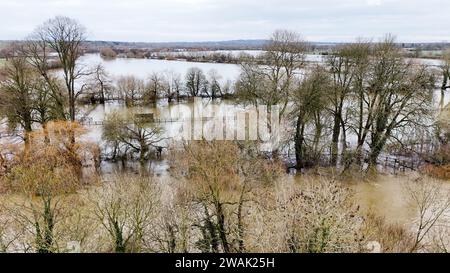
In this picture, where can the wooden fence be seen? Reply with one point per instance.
(90, 122)
(390, 163)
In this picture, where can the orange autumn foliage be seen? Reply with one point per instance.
(51, 162)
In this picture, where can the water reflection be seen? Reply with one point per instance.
(142, 68)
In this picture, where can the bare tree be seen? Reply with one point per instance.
(195, 82)
(99, 85)
(171, 85)
(316, 215)
(155, 87)
(125, 210)
(360, 56)
(309, 103)
(432, 204)
(46, 108)
(215, 90)
(130, 89)
(64, 36)
(271, 83)
(445, 68)
(10, 231)
(172, 230)
(220, 177)
(38, 55)
(342, 64)
(44, 175)
(399, 94)
(17, 91)
(135, 133)
(392, 96)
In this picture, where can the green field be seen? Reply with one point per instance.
(2, 62)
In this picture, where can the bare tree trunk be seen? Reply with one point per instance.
(299, 139)
(444, 87)
(335, 139)
(212, 241)
(375, 150)
(143, 151)
(241, 247)
(344, 140)
(44, 238)
(221, 228)
(317, 136)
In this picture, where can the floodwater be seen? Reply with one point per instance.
(142, 68)
(388, 196)
(176, 120)
(384, 195)
(171, 117)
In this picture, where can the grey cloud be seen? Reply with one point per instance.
(194, 20)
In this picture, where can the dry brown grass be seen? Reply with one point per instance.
(441, 172)
(394, 238)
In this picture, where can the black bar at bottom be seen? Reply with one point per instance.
(174, 263)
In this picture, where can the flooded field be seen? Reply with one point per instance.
(384, 195)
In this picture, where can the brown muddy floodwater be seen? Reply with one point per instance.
(385, 195)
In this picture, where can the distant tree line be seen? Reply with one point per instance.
(167, 85)
(190, 56)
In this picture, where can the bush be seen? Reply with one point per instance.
(108, 53)
(393, 238)
(315, 216)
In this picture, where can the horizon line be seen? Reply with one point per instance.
(234, 40)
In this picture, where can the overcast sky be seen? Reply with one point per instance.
(212, 20)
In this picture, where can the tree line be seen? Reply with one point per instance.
(364, 90)
(167, 85)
